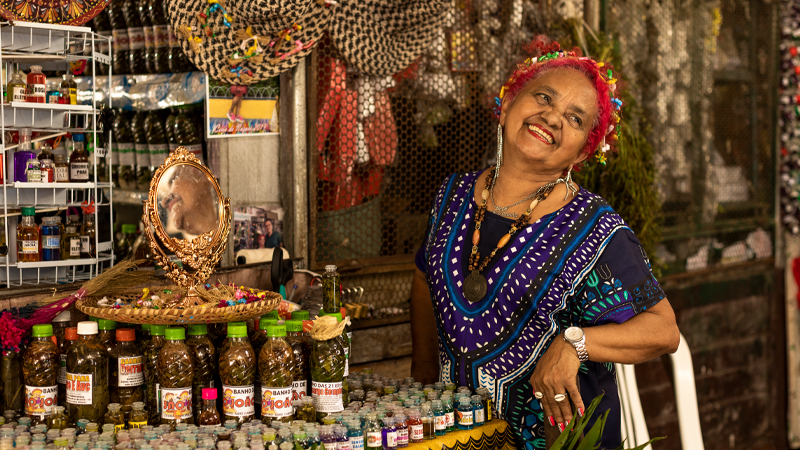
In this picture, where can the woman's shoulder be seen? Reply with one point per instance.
(591, 211)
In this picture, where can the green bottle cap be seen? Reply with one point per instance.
(276, 331)
(128, 228)
(301, 315)
(105, 324)
(175, 334)
(199, 329)
(265, 321)
(237, 329)
(157, 330)
(293, 325)
(145, 326)
(28, 211)
(272, 315)
(45, 330)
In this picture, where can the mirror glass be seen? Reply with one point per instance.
(188, 203)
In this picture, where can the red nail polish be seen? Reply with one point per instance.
(552, 421)
(580, 411)
(561, 427)
(567, 423)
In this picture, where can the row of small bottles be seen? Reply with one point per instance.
(54, 241)
(50, 167)
(36, 88)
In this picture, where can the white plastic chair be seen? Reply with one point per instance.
(634, 428)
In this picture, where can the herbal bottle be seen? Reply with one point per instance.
(300, 351)
(57, 420)
(464, 414)
(72, 88)
(275, 368)
(40, 368)
(37, 86)
(106, 333)
(488, 404)
(204, 360)
(175, 373)
(16, 89)
(478, 411)
(138, 417)
(441, 420)
(331, 290)
(88, 233)
(114, 417)
(87, 376)
(27, 236)
(51, 238)
(71, 243)
(185, 132)
(260, 334)
(327, 366)
(237, 370)
(157, 140)
(372, 432)
(127, 371)
(142, 342)
(208, 413)
(78, 161)
(449, 413)
(152, 386)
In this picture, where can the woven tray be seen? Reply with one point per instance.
(198, 314)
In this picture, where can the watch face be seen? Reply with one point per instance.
(574, 334)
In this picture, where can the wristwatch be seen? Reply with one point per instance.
(576, 337)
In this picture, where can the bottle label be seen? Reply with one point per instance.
(62, 174)
(238, 401)
(176, 403)
(37, 90)
(75, 247)
(19, 94)
(29, 247)
(119, 427)
(356, 442)
(299, 389)
(86, 246)
(327, 396)
(79, 171)
(136, 38)
(161, 35)
(441, 422)
(142, 155)
(51, 242)
(120, 40)
(126, 153)
(196, 150)
(329, 445)
(130, 371)
(450, 418)
(374, 439)
(479, 416)
(32, 172)
(158, 153)
(416, 432)
(276, 402)
(73, 96)
(402, 437)
(62, 372)
(137, 424)
(149, 37)
(465, 418)
(79, 388)
(40, 401)
(343, 445)
(172, 37)
(391, 439)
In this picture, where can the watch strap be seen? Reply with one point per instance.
(580, 347)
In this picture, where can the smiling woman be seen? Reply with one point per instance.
(552, 287)
(187, 202)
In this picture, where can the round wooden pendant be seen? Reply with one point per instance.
(475, 287)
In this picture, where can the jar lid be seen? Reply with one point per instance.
(87, 328)
(209, 393)
(128, 228)
(157, 330)
(126, 335)
(272, 315)
(105, 324)
(237, 330)
(330, 268)
(45, 330)
(264, 322)
(301, 315)
(293, 325)
(175, 334)
(276, 331)
(28, 210)
(78, 137)
(71, 334)
(198, 329)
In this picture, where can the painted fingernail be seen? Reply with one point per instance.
(580, 412)
(561, 427)
(567, 423)
(552, 421)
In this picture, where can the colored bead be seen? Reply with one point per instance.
(533, 204)
(503, 241)
(485, 194)
(476, 237)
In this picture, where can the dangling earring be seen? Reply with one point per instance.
(499, 150)
(569, 184)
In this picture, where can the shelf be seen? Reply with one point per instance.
(51, 116)
(48, 194)
(51, 106)
(122, 197)
(64, 263)
(47, 38)
(26, 185)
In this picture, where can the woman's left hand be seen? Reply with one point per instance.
(555, 374)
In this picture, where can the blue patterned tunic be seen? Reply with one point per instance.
(580, 265)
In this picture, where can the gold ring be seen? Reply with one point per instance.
(538, 395)
(560, 397)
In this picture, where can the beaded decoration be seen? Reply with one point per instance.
(613, 131)
(214, 7)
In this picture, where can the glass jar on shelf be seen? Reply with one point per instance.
(22, 155)
(71, 243)
(61, 169)
(37, 85)
(78, 161)
(88, 233)
(28, 236)
(68, 83)
(16, 88)
(51, 238)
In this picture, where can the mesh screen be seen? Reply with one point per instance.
(383, 145)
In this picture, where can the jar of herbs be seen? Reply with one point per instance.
(40, 368)
(204, 360)
(152, 386)
(275, 363)
(237, 369)
(175, 373)
(127, 371)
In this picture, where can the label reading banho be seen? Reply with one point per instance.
(176, 403)
(40, 401)
(299, 389)
(276, 402)
(238, 401)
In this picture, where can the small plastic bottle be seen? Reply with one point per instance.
(209, 414)
(57, 420)
(449, 413)
(175, 372)
(478, 411)
(415, 429)
(372, 432)
(389, 434)
(402, 430)
(355, 435)
(441, 419)
(71, 87)
(78, 161)
(488, 404)
(465, 414)
(40, 367)
(51, 238)
(37, 86)
(28, 236)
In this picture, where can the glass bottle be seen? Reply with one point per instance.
(78, 161)
(441, 420)
(102, 25)
(61, 169)
(71, 86)
(237, 370)
(152, 387)
(157, 140)
(389, 434)
(300, 351)
(114, 417)
(331, 291)
(178, 61)
(87, 376)
(209, 414)
(355, 435)
(478, 411)
(33, 171)
(138, 417)
(464, 413)
(275, 363)
(120, 44)
(141, 150)
(71, 243)
(27, 236)
(51, 238)
(143, 8)
(47, 171)
(88, 244)
(127, 371)
(124, 245)
(22, 155)
(3, 244)
(123, 155)
(449, 413)
(106, 333)
(45, 152)
(70, 336)
(204, 360)
(428, 422)
(175, 372)
(36, 86)
(136, 45)
(402, 430)
(57, 420)
(327, 363)
(158, 19)
(40, 368)
(13, 388)
(372, 432)
(185, 133)
(16, 89)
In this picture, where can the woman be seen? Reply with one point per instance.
(521, 291)
(188, 203)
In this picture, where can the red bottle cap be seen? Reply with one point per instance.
(71, 334)
(793, 51)
(344, 312)
(209, 393)
(126, 335)
(308, 325)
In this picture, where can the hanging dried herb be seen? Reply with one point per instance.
(87, 373)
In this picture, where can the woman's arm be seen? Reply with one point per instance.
(424, 339)
(647, 335)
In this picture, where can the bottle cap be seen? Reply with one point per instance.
(128, 228)
(175, 334)
(301, 315)
(272, 315)
(45, 330)
(198, 329)
(78, 137)
(476, 398)
(209, 393)
(28, 210)
(330, 268)
(36, 68)
(265, 321)
(157, 330)
(126, 335)
(86, 328)
(105, 324)
(343, 311)
(293, 325)
(237, 330)
(308, 324)
(71, 334)
(146, 326)
(464, 400)
(63, 316)
(275, 331)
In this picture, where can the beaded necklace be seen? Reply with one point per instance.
(475, 285)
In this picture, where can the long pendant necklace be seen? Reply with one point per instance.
(475, 285)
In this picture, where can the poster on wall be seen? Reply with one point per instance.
(257, 227)
(233, 111)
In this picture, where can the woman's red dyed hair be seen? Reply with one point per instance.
(525, 73)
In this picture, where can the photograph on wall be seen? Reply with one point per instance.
(234, 110)
(257, 227)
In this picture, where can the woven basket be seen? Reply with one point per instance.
(197, 314)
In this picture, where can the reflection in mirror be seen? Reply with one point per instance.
(188, 204)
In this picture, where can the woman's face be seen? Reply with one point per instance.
(188, 202)
(548, 123)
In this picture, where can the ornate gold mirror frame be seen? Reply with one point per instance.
(201, 253)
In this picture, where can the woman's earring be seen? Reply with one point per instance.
(499, 150)
(569, 184)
